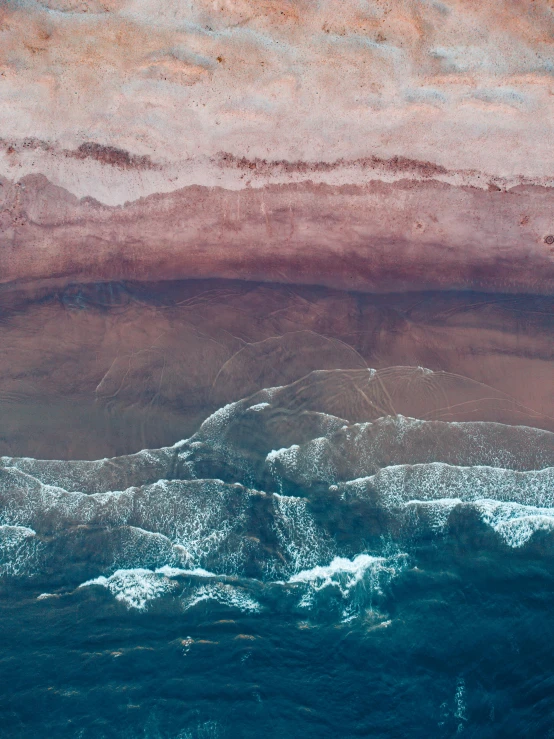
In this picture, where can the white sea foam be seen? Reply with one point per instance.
(188, 520)
(515, 504)
(460, 706)
(225, 594)
(358, 581)
(259, 406)
(19, 549)
(99, 475)
(168, 571)
(14, 535)
(139, 586)
(343, 573)
(157, 534)
(515, 523)
(397, 484)
(303, 543)
(136, 588)
(359, 450)
(214, 426)
(305, 464)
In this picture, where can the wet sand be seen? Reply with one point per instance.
(103, 369)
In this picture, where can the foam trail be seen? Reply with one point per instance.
(302, 541)
(224, 594)
(18, 550)
(355, 584)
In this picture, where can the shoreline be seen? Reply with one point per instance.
(100, 370)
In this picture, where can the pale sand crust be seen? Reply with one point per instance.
(467, 85)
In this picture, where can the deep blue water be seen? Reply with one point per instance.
(462, 653)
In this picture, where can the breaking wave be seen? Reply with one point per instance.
(275, 503)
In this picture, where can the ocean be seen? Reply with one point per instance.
(324, 541)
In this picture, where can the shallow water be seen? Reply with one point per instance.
(325, 546)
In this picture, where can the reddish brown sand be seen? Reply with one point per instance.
(89, 371)
(406, 235)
